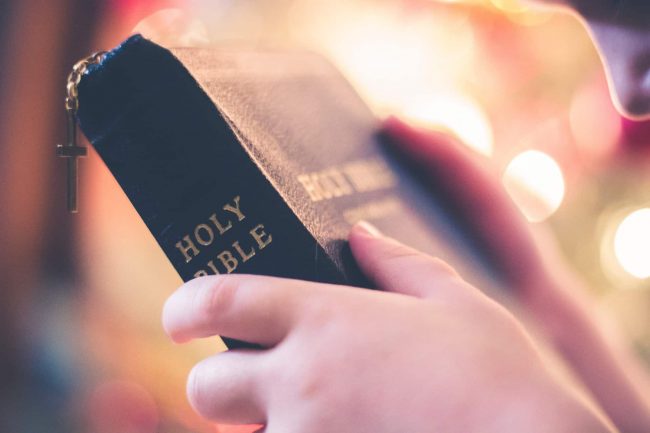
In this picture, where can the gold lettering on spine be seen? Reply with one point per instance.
(310, 187)
(259, 234)
(243, 254)
(363, 175)
(325, 185)
(335, 184)
(186, 249)
(222, 229)
(206, 229)
(235, 209)
(213, 267)
(369, 175)
(228, 261)
(242, 250)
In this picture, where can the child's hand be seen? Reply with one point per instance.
(433, 355)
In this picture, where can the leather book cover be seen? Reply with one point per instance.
(251, 161)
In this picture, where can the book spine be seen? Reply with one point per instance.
(205, 201)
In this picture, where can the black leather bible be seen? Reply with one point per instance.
(251, 161)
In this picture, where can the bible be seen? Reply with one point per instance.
(252, 162)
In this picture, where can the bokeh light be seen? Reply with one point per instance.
(392, 53)
(536, 184)
(501, 74)
(458, 113)
(632, 243)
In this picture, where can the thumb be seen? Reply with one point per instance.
(394, 267)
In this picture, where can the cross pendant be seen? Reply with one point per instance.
(71, 151)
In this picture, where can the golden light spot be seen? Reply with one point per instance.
(535, 182)
(458, 113)
(632, 243)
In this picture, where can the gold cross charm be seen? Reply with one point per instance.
(71, 151)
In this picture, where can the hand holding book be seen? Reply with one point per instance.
(533, 269)
(429, 353)
(365, 332)
(228, 179)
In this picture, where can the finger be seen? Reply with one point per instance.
(226, 388)
(397, 268)
(255, 309)
(474, 194)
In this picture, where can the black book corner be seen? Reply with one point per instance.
(251, 161)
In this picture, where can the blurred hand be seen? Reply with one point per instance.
(534, 270)
(432, 355)
(528, 262)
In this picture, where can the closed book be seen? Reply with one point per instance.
(252, 161)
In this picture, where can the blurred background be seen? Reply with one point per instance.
(81, 346)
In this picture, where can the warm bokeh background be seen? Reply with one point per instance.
(81, 347)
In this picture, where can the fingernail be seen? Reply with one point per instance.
(365, 228)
